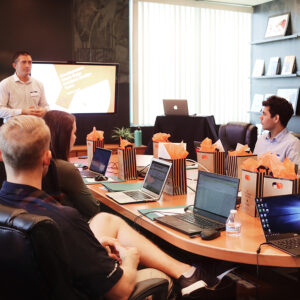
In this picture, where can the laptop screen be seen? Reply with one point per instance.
(279, 214)
(156, 176)
(100, 160)
(215, 193)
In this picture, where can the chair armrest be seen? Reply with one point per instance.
(158, 287)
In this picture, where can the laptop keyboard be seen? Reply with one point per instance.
(291, 243)
(197, 220)
(137, 195)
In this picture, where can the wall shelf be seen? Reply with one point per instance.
(287, 37)
(277, 76)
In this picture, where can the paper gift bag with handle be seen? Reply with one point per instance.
(94, 139)
(273, 186)
(176, 183)
(213, 162)
(252, 187)
(234, 166)
(155, 149)
(159, 138)
(127, 163)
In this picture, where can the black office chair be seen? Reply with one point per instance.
(237, 132)
(34, 264)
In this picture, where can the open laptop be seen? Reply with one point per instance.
(280, 220)
(215, 196)
(99, 163)
(175, 107)
(152, 188)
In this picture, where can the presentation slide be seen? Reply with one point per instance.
(78, 88)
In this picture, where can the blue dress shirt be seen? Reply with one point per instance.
(284, 144)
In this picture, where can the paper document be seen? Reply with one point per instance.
(153, 213)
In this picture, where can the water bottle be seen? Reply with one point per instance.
(138, 137)
(233, 224)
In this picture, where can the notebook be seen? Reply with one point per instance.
(99, 163)
(152, 188)
(175, 107)
(280, 220)
(215, 196)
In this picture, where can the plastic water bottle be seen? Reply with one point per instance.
(138, 137)
(233, 224)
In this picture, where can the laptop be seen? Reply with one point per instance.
(152, 188)
(280, 220)
(215, 196)
(175, 107)
(99, 163)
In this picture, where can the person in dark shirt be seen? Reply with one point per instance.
(104, 255)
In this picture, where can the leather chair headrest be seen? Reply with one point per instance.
(19, 218)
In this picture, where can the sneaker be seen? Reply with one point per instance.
(199, 280)
(202, 280)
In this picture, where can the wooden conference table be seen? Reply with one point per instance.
(241, 249)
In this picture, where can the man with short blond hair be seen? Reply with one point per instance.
(20, 94)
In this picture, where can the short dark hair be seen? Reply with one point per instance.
(60, 124)
(279, 106)
(18, 53)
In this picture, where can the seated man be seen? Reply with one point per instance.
(105, 254)
(275, 117)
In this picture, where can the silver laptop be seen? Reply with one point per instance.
(99, 163)
(280, 221)
(215, 196)
(175, 107)
(152, 188)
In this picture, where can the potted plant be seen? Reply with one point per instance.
(122, 132)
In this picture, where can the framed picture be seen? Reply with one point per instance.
(277, 25)
(290, 95)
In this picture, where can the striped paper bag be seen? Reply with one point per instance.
(252, 188)
(213, 162)
(91, 146)
(273, 186)
(127, 163)
(176, 183)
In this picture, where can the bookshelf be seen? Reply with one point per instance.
(266, 48)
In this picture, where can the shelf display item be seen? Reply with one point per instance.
(259, 68)
(274, 66)
(277, 25)
(288, 65)
(257, 103)
(290, 95)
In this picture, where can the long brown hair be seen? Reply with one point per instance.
(61, 126)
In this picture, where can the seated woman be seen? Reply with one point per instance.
(63, 129)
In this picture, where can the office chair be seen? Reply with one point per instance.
(34, 264)
(237, 132)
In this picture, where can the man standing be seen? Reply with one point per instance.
(275, 116)
(20, 94)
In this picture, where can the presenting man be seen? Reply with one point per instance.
(275, 116)
(104, 255)
(20, 94)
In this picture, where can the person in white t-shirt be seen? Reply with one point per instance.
(20, 94)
